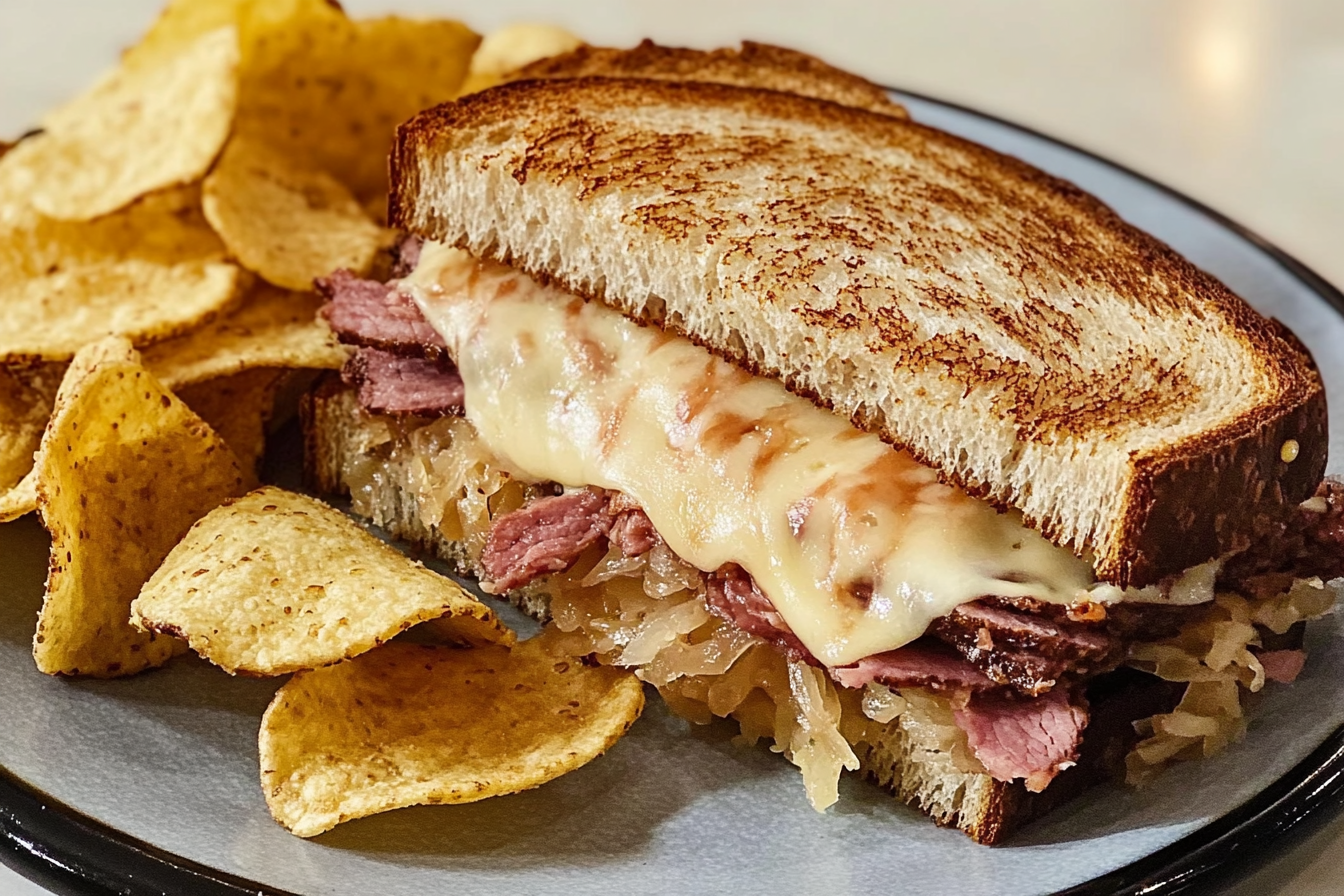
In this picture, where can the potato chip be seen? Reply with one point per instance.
(50, 318)
(409, 724)
(27, 393)
(16, 181)
(166, 227)
(138, 130)
(19, 500)
(513, 47)
(278, 582)
(179, 24)
(124, 469)
(238, 407)
(272, 328)
(328, 92)
(288, 223)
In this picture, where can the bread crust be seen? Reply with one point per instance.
(1169, 501)
(751, 65)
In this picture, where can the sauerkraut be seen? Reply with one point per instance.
(648, 612)
(458, 486)
(1214, 656)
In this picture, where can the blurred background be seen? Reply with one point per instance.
(1237, 103)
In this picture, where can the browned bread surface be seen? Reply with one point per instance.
(1005, 326)
(753, 65)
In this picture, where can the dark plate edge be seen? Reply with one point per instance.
(67, 852)
(71, 854)
(1227, 849)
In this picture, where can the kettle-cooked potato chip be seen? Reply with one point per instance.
(27, 394)
(233, 389)
(237, 406)
(287, 222)
(138, 130)
(410, 724)
(272, 328)
(277, 582)
(50, 318)
(16, 182)
(180, 23)
(167, 227)
(322, 89)
(124, 469)
(329, 92)
(513, 47)
(21, 499)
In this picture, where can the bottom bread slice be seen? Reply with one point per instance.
(353, 452)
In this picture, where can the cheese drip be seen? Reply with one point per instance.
(858, 546)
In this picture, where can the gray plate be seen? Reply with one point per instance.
(169, 757)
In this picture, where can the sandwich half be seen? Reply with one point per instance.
(901, 453)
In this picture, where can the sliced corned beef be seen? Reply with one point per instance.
(1032, 739)
(925, 663)
(369, 313)
(568, 524)
(732, 594)
(1027, 651)
(1023, 671)
(546, 535)
(997, 625)
(633, 533)
(1282, 665)
(390, 384)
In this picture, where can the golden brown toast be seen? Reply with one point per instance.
(1003, 325)
(753, 65)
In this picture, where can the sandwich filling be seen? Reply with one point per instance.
(858, 546)
(747, 551)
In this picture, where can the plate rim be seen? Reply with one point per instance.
(70, 853)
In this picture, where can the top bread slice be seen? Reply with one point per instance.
(1006, 327)
(752, 65)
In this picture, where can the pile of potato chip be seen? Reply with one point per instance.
(277, 582)
(159, 237)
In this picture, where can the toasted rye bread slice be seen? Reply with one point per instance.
(753, 65)
(1006, 327)
(346, 447)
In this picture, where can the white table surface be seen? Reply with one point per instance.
(1238, 103)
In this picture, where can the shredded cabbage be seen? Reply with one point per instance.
(648, 612)
(1213, 655)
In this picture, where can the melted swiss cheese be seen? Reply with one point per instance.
(858, 546)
